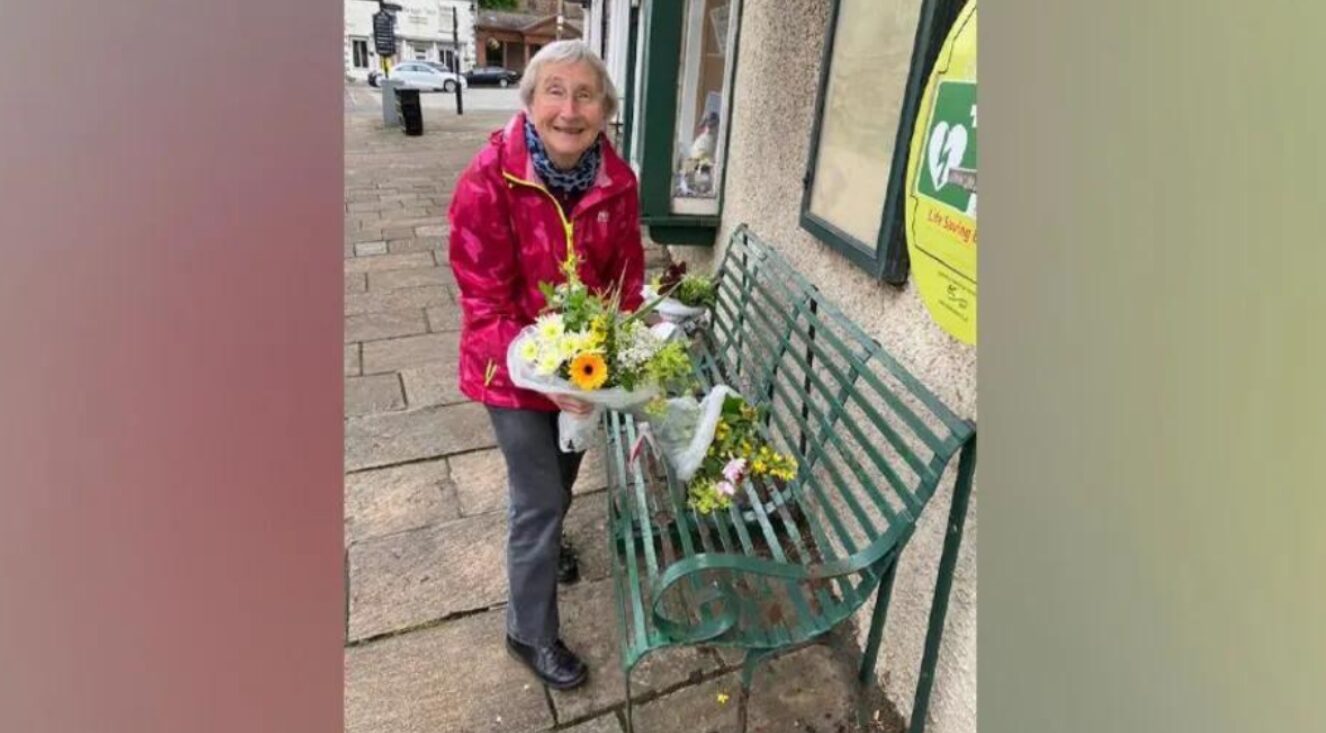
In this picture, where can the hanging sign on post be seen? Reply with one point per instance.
(941, 185)
(384, 33)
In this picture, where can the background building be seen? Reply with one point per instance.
(510, 39)
(423, 33)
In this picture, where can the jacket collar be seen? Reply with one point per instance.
(614, 176)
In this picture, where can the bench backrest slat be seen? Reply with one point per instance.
(872, 441)
(829, 419)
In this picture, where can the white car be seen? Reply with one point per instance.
(426, 77)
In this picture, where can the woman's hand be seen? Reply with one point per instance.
(571, 404)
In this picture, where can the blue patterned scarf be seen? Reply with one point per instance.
(577, 180)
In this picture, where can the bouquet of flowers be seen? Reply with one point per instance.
(735, 453)
(582, 346)
(685, 297)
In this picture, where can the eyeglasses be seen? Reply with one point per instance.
(582, 96)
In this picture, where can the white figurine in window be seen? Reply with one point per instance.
(698, 167)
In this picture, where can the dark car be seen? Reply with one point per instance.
(494, 75)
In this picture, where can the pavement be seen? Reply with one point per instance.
(425, 504)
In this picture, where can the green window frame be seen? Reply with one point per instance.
(886, 256)
(658, 41)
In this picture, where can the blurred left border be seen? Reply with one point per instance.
(170, 366)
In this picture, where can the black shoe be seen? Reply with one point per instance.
(568, 565)
(554, 664)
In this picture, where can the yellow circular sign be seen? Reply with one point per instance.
(941, 185)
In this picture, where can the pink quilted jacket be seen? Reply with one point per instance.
(508, 234)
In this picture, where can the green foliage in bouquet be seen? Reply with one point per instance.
(737, 452)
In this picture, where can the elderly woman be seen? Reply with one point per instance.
(546, 184)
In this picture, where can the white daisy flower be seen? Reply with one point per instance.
(550, 327)
(529, 350)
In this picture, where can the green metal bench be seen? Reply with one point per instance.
(786, 564)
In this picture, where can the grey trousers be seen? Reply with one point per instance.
(539, 481)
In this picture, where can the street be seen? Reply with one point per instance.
(360, 98)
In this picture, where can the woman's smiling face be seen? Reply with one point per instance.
(567, 110)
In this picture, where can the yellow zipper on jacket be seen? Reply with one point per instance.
(567, 226)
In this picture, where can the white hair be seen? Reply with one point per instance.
(572, 51)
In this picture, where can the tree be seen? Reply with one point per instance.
(498, 4)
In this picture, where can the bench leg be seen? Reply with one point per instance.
(957, 518)
(630, 724)
(877, 618)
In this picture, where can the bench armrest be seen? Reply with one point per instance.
(721, 595)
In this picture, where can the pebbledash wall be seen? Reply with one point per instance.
(773, 108)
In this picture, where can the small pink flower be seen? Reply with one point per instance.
(726, 487)
(735, 469)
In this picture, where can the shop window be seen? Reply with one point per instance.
(701, 119)
(685, 59)
(877, 55)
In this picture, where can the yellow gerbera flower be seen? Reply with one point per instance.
(589, 371)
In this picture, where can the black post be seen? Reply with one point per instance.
(455, 60)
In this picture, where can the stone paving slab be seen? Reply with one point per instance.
(443, 318)
(403, 198)
(357, 235)
(399, 353)
(808, 690)
(368, 395)
(418, 244)
(453, 678)
(411, 578)
(397, 232)
(481, 477)
(433, 384)
(368, 249)
(602, 724)
(385, 325)
(411, 220)
(386, 262)
(390, 500)
(391, 300)
(411, 278)
(589, 627)
(351, 360)
(429, 432)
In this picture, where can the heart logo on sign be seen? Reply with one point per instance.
(945, 150)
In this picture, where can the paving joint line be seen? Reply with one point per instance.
(423, 626)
